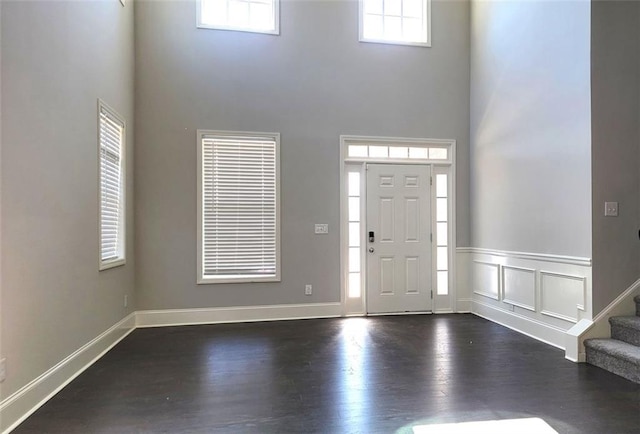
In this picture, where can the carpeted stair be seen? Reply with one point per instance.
(621, 353)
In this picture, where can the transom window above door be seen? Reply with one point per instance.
(374, 149)
(405, 22)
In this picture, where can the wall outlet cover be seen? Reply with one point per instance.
(308, 289)
(3, 369)
(611, 209)
(322, 228)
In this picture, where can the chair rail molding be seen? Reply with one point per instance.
(541, 295)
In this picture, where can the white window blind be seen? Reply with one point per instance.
(111, 142)
(239, 208)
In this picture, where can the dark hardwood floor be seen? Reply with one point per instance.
(354, 375)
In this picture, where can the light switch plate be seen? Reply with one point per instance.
(3, 369)
(611, 209)
(322, 228)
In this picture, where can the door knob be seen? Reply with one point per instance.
(371, 249)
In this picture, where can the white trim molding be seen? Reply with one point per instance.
(440, 155)
(425, 31)
(524, 293)
(109, 119)
(487, 281)
(579, 294)
(542, 257)
(215, 150)
(274, 30)
(599, 327)
(215, 315)
(541, 295)
(21, 404)
(533, 328)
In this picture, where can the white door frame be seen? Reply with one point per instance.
(362, 152)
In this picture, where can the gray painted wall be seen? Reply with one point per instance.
(311, 84)
(57, 59)
(530, 127)
(1, 352)
(615, 77)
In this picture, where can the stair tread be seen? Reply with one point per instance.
(626, 321)
(616, 348)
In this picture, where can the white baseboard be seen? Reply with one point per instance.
(173, 317)
(623, 305)
(464, 305)
(21, 404)
(540, 295)
(574, 350)
(535, 329)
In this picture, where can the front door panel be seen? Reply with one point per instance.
(399, 257)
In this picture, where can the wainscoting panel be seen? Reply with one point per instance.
(519, 286)
(540, 295)
(486, 279)
(562, 295)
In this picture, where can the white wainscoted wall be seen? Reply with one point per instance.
(464, 293)
(540, 295)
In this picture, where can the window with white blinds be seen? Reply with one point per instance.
(112, 171)
(238, 209)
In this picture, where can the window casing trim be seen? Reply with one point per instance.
(276, 22)
(427, 23)
(121, 258)
(236, 135)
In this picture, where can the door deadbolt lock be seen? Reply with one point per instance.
(371, 237)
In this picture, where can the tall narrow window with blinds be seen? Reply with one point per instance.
(112, 186)
(238, 207)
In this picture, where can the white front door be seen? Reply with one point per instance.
(399, 251)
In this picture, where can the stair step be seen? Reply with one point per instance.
(626, 329)
(615, 356)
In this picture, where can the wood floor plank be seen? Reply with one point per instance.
(350, 375)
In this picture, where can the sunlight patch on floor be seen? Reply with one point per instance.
(532, 425)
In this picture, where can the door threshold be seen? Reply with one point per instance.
(400, 313)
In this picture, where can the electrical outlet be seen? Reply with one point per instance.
(308, 289)
(611, 209)
(3, 369)
(126, 300)
(322, 228)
